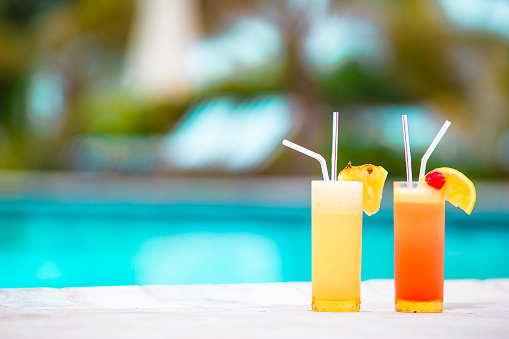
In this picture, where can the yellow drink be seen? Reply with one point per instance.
(336, 218)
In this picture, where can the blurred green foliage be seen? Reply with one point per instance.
(462, 75)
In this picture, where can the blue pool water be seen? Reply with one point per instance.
(62, 245)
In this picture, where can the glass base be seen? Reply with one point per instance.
(324, 305)
(419, 306)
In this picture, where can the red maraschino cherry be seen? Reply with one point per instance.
(435, 179)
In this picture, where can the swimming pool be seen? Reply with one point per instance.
(48, 243)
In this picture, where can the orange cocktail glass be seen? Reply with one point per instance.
(419, 227)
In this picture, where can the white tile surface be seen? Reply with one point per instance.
(472, 309)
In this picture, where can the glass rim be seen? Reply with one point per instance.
(413, 184)
(337, 182)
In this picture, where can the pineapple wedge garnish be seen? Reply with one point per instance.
(373, 179)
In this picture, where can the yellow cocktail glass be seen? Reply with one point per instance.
(336, 218)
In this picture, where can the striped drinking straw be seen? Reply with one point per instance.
(334, 158)
(408, 157)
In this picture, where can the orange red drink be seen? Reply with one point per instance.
(419, 227)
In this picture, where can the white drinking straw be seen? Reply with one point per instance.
(334, 158)
(432, 147)
(408, 157)
(312, 154)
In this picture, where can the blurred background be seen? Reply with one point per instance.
(140, 141)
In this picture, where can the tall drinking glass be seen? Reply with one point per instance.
(419, 227)
(336, 218)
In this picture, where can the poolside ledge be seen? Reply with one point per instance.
(473, 309)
